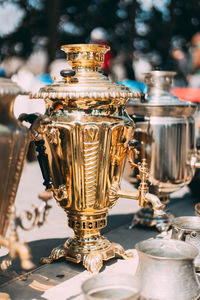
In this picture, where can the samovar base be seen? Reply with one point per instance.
(146, 217)
(92, 256)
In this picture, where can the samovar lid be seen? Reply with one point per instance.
(158, 95)
(8, 87)
(83, 81)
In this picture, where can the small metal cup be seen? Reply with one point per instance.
(111, 287)
(166, 270)
(188, 229)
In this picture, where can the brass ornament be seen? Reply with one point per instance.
(14, 141)
(82, 143)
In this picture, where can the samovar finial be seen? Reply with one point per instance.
(85, 55)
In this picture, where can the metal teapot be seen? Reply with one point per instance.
(166, 270)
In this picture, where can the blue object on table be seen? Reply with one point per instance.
(45, 78)
(2, 73)
(134, 85)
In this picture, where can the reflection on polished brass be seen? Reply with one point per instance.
(82, 143)
(15, 246)
(14, 141)
(37, 216)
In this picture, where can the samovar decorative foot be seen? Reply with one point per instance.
(78, 250)
(55, 254)
(93, 262)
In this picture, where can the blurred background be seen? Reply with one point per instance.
(143, 35)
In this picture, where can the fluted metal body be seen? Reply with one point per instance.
(166, 270)
(14, 141)
(166, 129)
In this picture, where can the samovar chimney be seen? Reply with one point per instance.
(159, 84)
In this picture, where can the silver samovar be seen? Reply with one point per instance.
(82, 143)
(165, 128)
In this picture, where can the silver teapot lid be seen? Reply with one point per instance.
(159, 84)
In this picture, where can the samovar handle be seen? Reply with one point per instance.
(138, 118)
(34, 120)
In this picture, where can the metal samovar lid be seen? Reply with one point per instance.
(83, 83)
(8, 87)
(159, 100)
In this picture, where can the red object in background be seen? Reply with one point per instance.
(107, 58)
(107, 61)
(187, 94)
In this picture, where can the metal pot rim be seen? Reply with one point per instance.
(159, 241)
(177, 222)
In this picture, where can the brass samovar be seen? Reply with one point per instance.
(14, 142)
(82, 143)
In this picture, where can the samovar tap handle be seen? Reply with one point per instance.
(156, 204)
(145, 198)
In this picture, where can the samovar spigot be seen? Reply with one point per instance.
(144, 197)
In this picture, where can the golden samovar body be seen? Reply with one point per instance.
(82, 141)
(86, 157)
